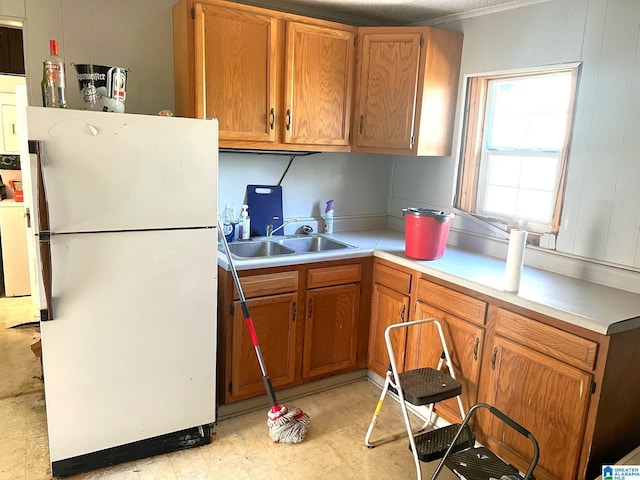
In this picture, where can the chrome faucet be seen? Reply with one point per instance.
(270, 230)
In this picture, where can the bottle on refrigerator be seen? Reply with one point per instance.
(54, 89)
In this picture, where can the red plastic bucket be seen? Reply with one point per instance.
(426, 233)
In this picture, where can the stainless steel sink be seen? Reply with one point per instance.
(288, 245)
(252, 249)
(312, 243)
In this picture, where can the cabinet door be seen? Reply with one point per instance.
(387, 307)
(547, 397)
(15, 261)
(235, 71)
(464, 342)
(319, 79)
(274, 318)
(330, 332)
(11, 54)
(8, 112)
(386, 104)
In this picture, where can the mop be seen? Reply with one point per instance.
(287, 424)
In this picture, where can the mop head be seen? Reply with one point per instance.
(287, 424)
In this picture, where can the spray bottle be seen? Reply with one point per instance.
(328, 217)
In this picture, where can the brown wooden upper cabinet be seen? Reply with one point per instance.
(273, 80)
(406, 90)
(11, 51)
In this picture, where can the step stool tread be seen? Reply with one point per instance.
(480, 463)
(433, 444)
(423, 386)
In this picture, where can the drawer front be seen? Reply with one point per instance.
(459, 304)
(337, 275)
(555, 343)
(268, 284)
(392, 278)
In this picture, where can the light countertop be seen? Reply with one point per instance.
(10, 202)
(595, 307)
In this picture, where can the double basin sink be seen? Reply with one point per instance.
(284, 245)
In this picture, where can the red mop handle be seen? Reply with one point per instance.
(247, 315)
(252, 329)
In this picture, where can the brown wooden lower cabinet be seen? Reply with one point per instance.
(331, 329)
(574, 389)
(311, 321)
(547, 396)
(464, 341)
(388, 307)
(274, 318)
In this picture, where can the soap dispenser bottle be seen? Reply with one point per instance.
(328, 217)
(245, 224)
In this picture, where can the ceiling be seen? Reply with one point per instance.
(381, 12)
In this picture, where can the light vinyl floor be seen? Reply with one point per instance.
(241, 448)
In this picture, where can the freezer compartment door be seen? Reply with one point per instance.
(105, 172)
(131, 353)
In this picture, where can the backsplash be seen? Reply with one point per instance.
(359, 184)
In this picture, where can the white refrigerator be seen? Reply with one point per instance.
(126, 209)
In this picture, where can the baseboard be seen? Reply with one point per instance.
(245, 406)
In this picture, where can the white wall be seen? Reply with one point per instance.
(600, 219)
(12, 9)
(134, 34)
(358, 183)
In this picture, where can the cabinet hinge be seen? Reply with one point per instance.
(230, 387)
(421, 41)
(593, 388)
(232, 310)
(193, 13)
(355, 41)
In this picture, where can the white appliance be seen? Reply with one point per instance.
(15, 266)
(127, 241)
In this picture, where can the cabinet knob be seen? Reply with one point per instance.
(288, 124)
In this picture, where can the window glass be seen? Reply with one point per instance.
(528, 112)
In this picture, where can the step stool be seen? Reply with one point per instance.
(420, 387)
(478, 462)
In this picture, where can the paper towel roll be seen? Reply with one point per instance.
(515, 260)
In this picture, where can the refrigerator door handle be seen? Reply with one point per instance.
(45, 258)
(45, 237)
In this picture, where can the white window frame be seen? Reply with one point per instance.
(471, 154)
